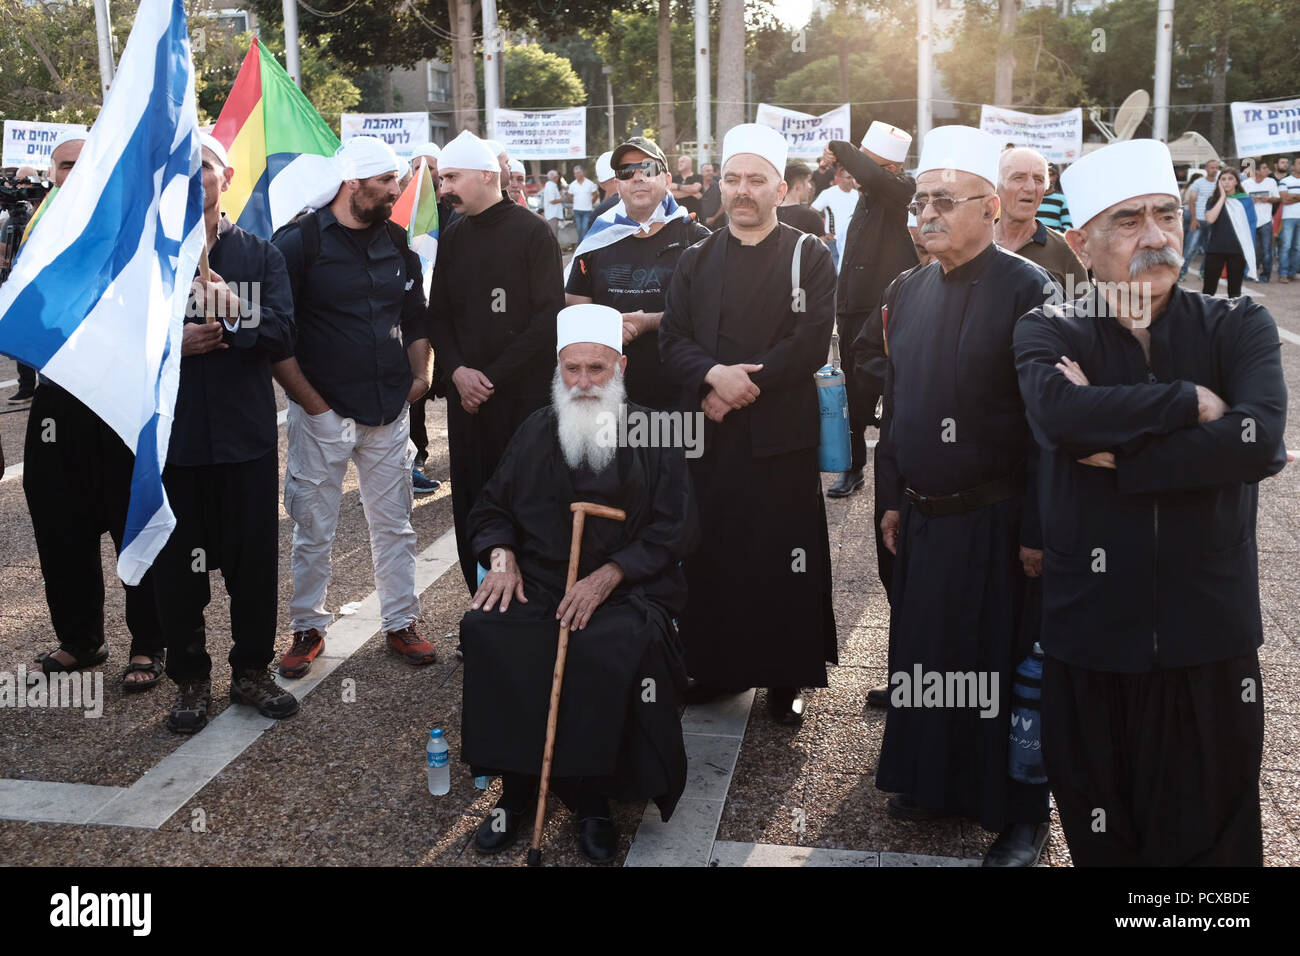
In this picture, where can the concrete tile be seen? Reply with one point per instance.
(865, 647)
(51, 802)
(162, 791)
(759, 854)
(726, 716)
(685, 840)
(847, 743)
(710, 760)
(923, 860)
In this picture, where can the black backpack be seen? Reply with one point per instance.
(309, 228)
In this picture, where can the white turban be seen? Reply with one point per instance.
(604, 169)
(497, 148)
(517, 167)
(467, 151)
(598, 324)
(963, 148)
(1123, 170)
(209, 141)
(74, 135)
(432, 150)
(762, 141)
(887, 142)
(364, 156)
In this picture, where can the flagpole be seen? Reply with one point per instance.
(291, 65)
(103, 28)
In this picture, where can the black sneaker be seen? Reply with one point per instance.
(190, 712)
(258, 688)
(22, 397)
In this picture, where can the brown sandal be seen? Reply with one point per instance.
(154, 667)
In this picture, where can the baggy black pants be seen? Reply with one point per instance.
(1159, 768)
(227, 517)
(77, 479)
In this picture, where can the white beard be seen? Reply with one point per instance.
(583, 422)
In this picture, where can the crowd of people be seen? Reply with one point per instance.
(1062, 472)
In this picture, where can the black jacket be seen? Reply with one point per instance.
(1153, 564)
(878, 246)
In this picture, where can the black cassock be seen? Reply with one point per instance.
(759, 610)
(954, 421)
(1152, 704)
(496, 289)
(620, 707)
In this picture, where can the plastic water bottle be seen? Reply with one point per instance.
(1026, 763)
(439, 763)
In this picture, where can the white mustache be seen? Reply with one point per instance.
(930, 227)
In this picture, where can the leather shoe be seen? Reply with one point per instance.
(499, 829)
(598, 839)
(1020, 844)
(879, 697)
(847, 483)
(785, 705)
(903, 807)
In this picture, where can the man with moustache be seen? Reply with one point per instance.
(496, 290)
(1022, 182)
(72, 506)
(361, 356)
(1159, 411)
(619, 733)
(223, 466)
(746, 325)
(629, 260)
(961, 513)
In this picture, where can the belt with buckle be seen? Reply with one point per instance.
(972, 499)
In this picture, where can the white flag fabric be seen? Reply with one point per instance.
(97, 295)
(614, 224)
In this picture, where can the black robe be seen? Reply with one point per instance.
(759, 610)
(953, 421)
(496, 289)
(614, 728)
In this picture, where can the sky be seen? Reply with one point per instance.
(793, 13)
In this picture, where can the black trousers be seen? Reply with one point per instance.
(26, 377)
(582, 796)
(419, 433)
(227, 517)
(884, 557)
(77, 479)
(1159, 768)
(1214, 263)
(862, 401)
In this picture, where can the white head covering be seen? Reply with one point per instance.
(209, 141)
(604, 169)
(589, 323)
(467, 151)
(496, 147)
(432, 150)
(1134, 167)
(68, 136)
(517, 166)
(364, 156)
(757, 139)
(962, 148)
(888, 142)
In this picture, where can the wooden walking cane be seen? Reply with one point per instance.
(580, 511)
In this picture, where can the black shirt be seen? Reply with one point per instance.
(691, 203)
(357, 306)
(710, 203)
(225, 406)
(631, 275)
(802, 217)
(1223, 238)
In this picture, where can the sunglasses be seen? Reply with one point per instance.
(942, 204)
(649, 167)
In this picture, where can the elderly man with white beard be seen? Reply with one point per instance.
(619, 729)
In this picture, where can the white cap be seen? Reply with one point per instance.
(497, 148)
(757, 139)
(467, 151)
(432, 150)
(68, 136)
(887, 142)
(604, 168)
(589, 323)
(517, 166)
(364, 156)
(1123, 170)
(208, 141)
(963, 148)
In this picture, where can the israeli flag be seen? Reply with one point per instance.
(614, 225)
(96, 299)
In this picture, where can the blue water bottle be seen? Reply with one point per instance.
(1026, 763)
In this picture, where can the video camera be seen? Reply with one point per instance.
(14, 191)
(18, 197)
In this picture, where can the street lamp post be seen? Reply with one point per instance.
(609, 96)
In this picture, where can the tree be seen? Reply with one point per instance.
(664, 65)
(536, 79)
(1005, 73)
(731, 66)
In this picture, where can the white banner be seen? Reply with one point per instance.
(1058, 136)
(29, 144)
(807, 135)
(1262, 128)
(542, 134)
(402, 131)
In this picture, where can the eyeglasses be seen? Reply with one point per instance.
(942, 204)
(649, 167)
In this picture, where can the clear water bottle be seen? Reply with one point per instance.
(1026, 763)
(439, 763)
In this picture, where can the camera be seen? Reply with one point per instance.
(14, 191)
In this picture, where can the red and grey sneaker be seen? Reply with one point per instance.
(413, 648)
(307, 646)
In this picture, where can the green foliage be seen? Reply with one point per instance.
(536, 79)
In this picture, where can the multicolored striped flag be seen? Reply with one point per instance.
(417, 212)
(280, 147)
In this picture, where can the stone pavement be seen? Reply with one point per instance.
(343, 782)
